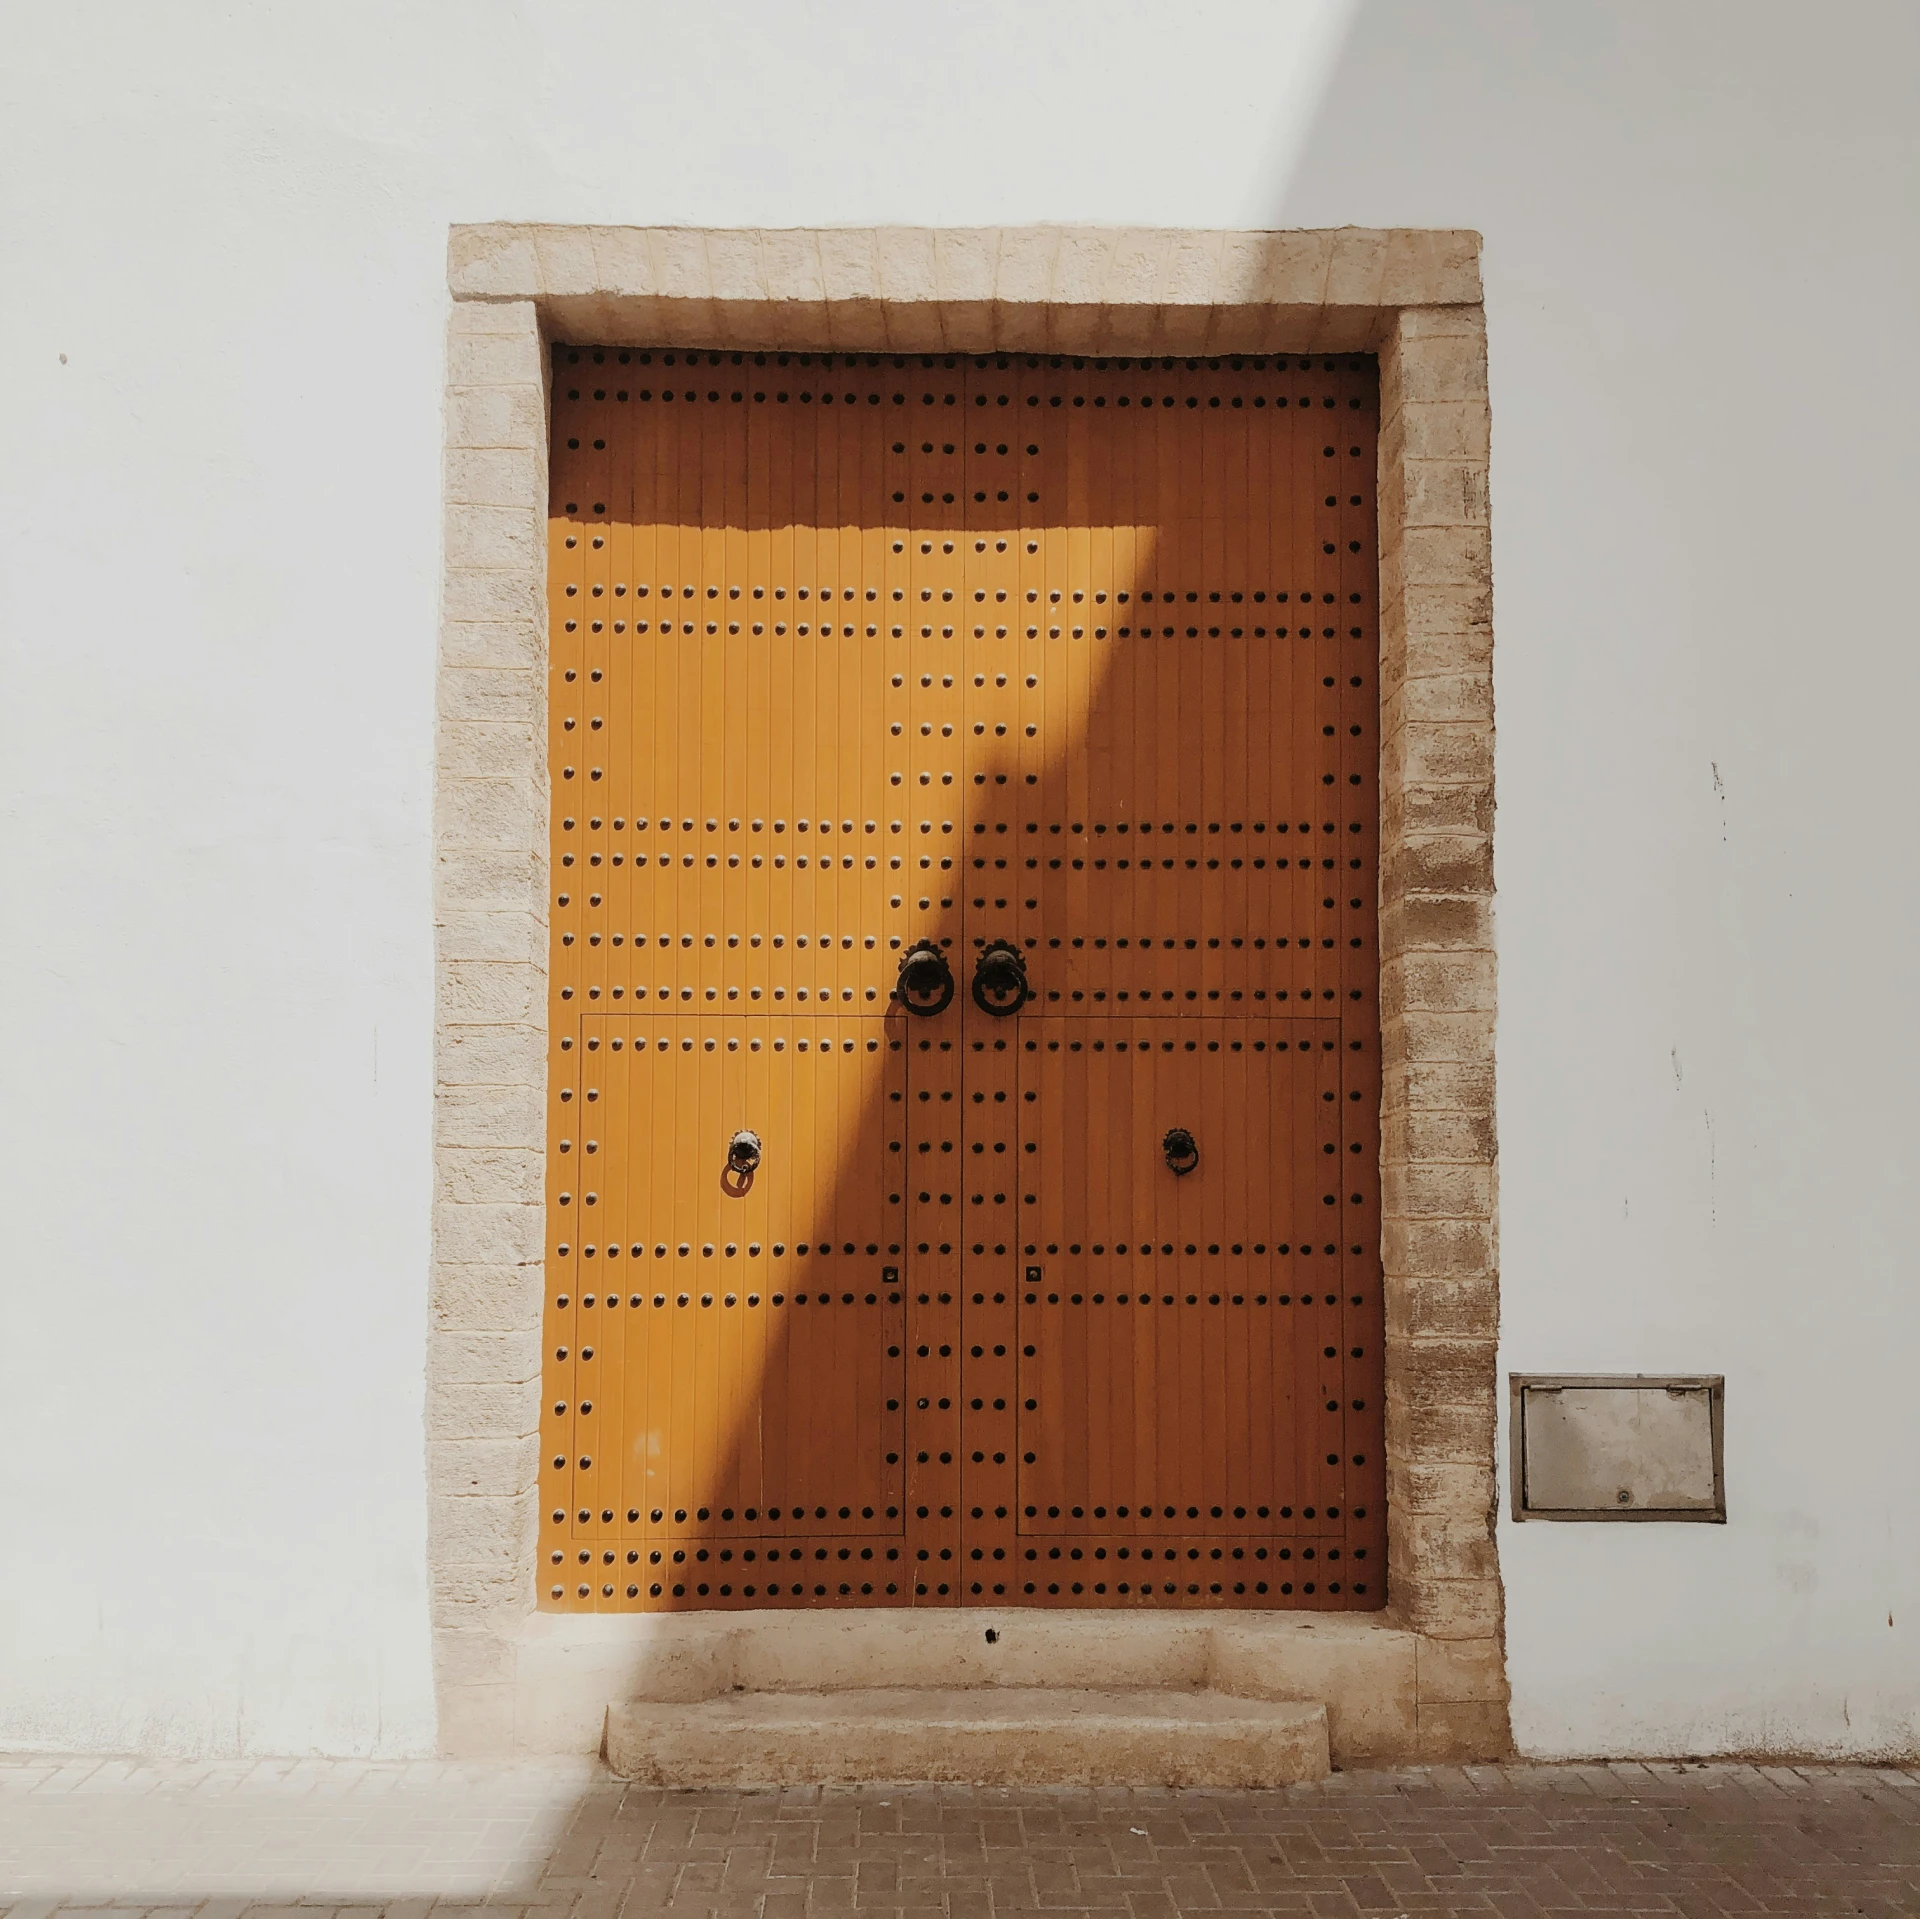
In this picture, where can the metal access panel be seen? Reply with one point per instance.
(1618, 1446)
(964, 1088)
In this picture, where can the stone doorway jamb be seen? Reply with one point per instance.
(1411, 297)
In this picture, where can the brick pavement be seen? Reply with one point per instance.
(560, 1840)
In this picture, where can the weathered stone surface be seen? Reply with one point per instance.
(993, 1736)
(1178, 281)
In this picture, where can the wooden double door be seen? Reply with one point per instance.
(964, 1089)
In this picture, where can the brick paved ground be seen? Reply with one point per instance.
(557, 1840)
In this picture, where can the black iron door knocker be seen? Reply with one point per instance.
(744, 1153)
(924, 985)
(1000, 979)
(1182, 1151)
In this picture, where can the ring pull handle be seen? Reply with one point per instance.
(1000, 979)
(1182, 1151)
(743, 1153)
(924, 984)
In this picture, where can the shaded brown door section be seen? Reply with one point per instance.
(1046, 1270)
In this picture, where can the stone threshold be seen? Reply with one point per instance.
(1366, 1670)
(973, 1735)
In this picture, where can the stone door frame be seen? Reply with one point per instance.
(1411, 297)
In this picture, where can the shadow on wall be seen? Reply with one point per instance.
(1678, 203)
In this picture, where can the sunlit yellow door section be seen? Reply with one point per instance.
(1046, 1271)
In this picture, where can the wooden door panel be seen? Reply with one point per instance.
(743, 1416)
(1185, 1373)
(1071, 655)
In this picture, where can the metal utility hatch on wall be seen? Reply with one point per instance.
(963, 1143)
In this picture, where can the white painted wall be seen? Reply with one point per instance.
(219, 526)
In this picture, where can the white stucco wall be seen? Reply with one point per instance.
(219, 521)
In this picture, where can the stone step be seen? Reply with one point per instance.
(977, 1735)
